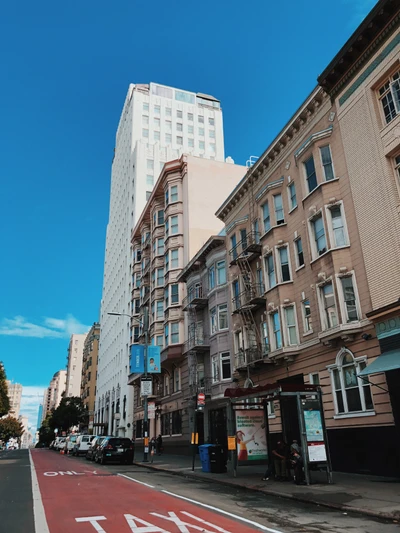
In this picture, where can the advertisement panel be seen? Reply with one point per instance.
(137, 359)
(251, 437)
(153, 358)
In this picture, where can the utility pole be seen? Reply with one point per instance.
(145, 401)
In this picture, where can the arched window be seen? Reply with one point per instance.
(351, 394)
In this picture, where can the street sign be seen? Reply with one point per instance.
(201, 397)
(146, 387)
(151, 409)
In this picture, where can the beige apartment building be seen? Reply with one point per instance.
(14, 394)
(178, 219)
(89, 372)
(53, 394)
(74, 365)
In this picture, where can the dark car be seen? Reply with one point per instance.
(115, 449)
(91, 453)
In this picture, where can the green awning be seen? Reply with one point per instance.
(385, 362)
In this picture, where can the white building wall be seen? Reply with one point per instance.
(74, 369)
(157, 124)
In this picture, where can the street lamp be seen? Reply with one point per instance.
(145, 326)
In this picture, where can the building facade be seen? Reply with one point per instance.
(208, 344)
(157, 125)
(14, 394)
(53, 394)
(74, 365)
(89, 372)
(178, 219)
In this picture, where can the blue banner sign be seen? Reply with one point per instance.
(153, 360)
(137, 359)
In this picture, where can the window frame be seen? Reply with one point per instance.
(172, 295)
(331, 229)
(173, 259)
(274, 337)
(291, 196)
(325, 322)
(158, 277)
(278, 221)
(278, 250)
(287, 326)
(220, 266)
(323, 166)
(222, 309)
(313, 239)
(307, 177)
(158, 310)
(217, 366)
(174, 325)
(390, 81)
(213, 321)
(297, 253)
(174, 225)
(267, 271)
(342, 301)
(211, 277)
(307, 319)
(266, 216)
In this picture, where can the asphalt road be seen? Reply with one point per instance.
(82, 497)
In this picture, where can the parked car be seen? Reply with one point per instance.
(82, 444)
(70, 443)
(90, 454)
(115, 449)
(60, 443)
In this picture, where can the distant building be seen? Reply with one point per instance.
(74, 365)
(89, 371)
(27, 437)
(40, 415)
(15, 394)
(54, 392)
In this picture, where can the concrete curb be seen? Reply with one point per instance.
(295, 497)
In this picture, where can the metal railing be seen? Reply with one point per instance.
(248, 245)
(201, 385)
(194, 295)
(248, 296)
(196, 340)
(250, 355)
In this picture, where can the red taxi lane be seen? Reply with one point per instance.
(77, 500)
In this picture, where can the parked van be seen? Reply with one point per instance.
(82, 444)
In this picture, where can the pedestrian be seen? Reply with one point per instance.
(153, 447)
(159, 444)
(280, 455)
(296, 461)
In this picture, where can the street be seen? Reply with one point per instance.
(80, 497)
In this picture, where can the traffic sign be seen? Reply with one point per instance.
(201, 397)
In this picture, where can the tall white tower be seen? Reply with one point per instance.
(157, 124)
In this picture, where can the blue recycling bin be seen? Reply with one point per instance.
(205, 457)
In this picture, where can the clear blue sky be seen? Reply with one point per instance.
(65, 72)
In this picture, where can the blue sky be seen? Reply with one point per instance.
(65, 70)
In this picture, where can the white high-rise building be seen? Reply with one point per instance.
(53, 394)
(157, 124)
(74, 365)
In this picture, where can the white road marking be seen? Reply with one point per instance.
(38, 509)
(231, 515)
(136, 481)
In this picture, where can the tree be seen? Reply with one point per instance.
(70, 412)
(4, 399)
(10, 428)
(46, 433)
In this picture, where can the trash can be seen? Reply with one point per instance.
(205, 457)
(218, 459)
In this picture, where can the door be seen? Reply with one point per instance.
(218, 431)
(289, 413)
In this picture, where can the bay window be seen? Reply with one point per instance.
(291, 328)
(311, 176)
(328, 303)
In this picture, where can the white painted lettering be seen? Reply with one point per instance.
(148, 528)
(94, 521)
(78, 473)
(67, 473)
(183, 526)
(51, 474)
(217, 528)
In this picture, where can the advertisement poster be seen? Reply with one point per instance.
(251, 436)
(313, 424)
(317, 453)
(153, 358)
(151, 410)
(137, 359)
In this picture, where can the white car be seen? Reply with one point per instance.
(82, 444)
(70, 443)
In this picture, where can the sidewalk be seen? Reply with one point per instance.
(369, 495)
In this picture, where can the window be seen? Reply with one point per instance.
(179, 126)
(158, 218)
(291, 329)
(191, 143)
(148, 194)
(276, 328)
(157, 109)
(221, 272)
(179, 114)
(256, 230)
(266, 217)
(166, 294)
(221, 367)
(168, 138)
(211, 133)
(145, 133)
(190, 117)
(235, 294)
(284, 264)
(201, 145)
(314, 378)
(319, 234)
(211, 146)
(159, 340)
(389, 96)
(211, 122)
(299, 252)
(201, 132)
(213, 321)
(243, 238)
(166, 335)
(211, 278)
(311, 176)
(329, 306)
(150, 164)
(145, 106)
(175, 333)
(175, 258)
(168, 125)
(179, 140)
(156, 135)
(149, 180)
(351, 394)
(222, 316)
(264, 338)
(349, 311)
(160, 277)
(174, 193)
(160, 246)
(168, 112)
(270, 268)
(175, 293)
(279, 215)
(292, 195)
(339, 237)
(397, 166)
(166, 262)
(306, 315)
(156, 121)
(190, 129)
(166, 228)
(174, 225)
(145, 120)
(326, 159)
(200, 119)
(159, 309)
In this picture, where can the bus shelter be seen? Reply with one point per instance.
(301, 419)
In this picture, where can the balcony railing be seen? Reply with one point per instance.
(146, 242)
(197, 297)
(250, 355)
(201, 385)
(251, 297)
(196, 341)
(248, 248)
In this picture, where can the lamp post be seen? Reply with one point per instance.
(145, 326)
